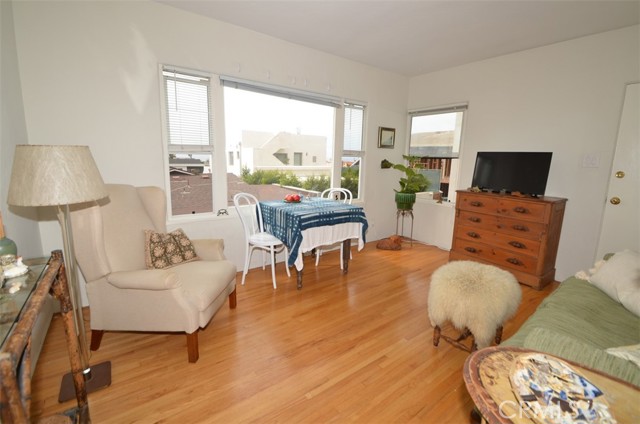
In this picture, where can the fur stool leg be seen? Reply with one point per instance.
(476, 298)
(436, 335)
(498, 335)
(466, 333)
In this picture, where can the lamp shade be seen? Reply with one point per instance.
(54, 175)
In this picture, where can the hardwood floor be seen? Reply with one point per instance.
(345, 348)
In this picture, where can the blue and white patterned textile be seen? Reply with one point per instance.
(287, 221)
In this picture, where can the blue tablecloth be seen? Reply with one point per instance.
(287, 221)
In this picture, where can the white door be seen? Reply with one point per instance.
(621, 222)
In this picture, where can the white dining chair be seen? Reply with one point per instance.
(340, 194)
(250, 213)
(343, 195)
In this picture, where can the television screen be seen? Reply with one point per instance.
(526, 172)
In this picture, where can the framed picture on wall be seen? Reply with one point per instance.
(386, 137)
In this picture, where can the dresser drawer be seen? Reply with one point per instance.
(529, 211)
(503, 206)
(526, 229)
(503, 240)
(500, 257)
(476, 203)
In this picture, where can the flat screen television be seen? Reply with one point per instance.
(525, 172)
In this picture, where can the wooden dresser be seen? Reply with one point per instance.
(518, 234)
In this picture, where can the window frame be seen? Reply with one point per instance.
(352, 153)
(216, 136)
(217, 146)
(454, 161)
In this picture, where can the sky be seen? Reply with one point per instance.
(431, 123)
(246, 110)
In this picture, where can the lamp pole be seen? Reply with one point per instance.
(64, 217)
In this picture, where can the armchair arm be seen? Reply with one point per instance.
(147, 279)
(209, 249)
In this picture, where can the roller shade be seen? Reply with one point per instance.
(286, 93)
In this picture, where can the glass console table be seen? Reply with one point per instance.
(12, 303)
(18, 315)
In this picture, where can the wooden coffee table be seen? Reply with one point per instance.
(486, 375)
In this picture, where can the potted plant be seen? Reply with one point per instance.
(413, 182)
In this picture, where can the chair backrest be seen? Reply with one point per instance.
(109, 236)
(250, 213)
(339, 194)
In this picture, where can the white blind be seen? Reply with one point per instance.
(188, 117)
(287, 93)
(353, 123)
(444, 109)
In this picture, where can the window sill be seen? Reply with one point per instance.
(208, 217)
(445, 203)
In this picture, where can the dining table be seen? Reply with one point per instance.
(314, 222)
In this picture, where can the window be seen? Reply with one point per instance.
(189, 141)
(282, 157)
(274, 141)
(352, 152)
(435, 140)
(285, 140)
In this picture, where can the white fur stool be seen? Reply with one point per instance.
(476, 298)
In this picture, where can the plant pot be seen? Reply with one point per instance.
(405, 201)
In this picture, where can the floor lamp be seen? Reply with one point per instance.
(61, 176)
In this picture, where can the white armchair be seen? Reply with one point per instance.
(126, 296)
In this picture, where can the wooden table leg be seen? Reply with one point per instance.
(346, 253)
(299, 278)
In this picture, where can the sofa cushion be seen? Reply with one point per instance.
(584, 311)
(630, 353)
(619, 277)
(583, 353)
(163, 250)
(581, 315)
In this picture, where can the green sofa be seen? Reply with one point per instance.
(578, 322)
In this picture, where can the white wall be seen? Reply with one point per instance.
(89, 74)
(565, 98)
(20, 223)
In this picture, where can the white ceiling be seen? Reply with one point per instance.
(420, 36)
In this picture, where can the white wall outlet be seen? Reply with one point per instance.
(590, 161)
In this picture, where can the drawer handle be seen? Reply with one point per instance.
(476, 204)
(520, 228)
(520, 209)
(471, 249)
(517, 244)
(473, 235)
(474, 219)
(514, 261)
